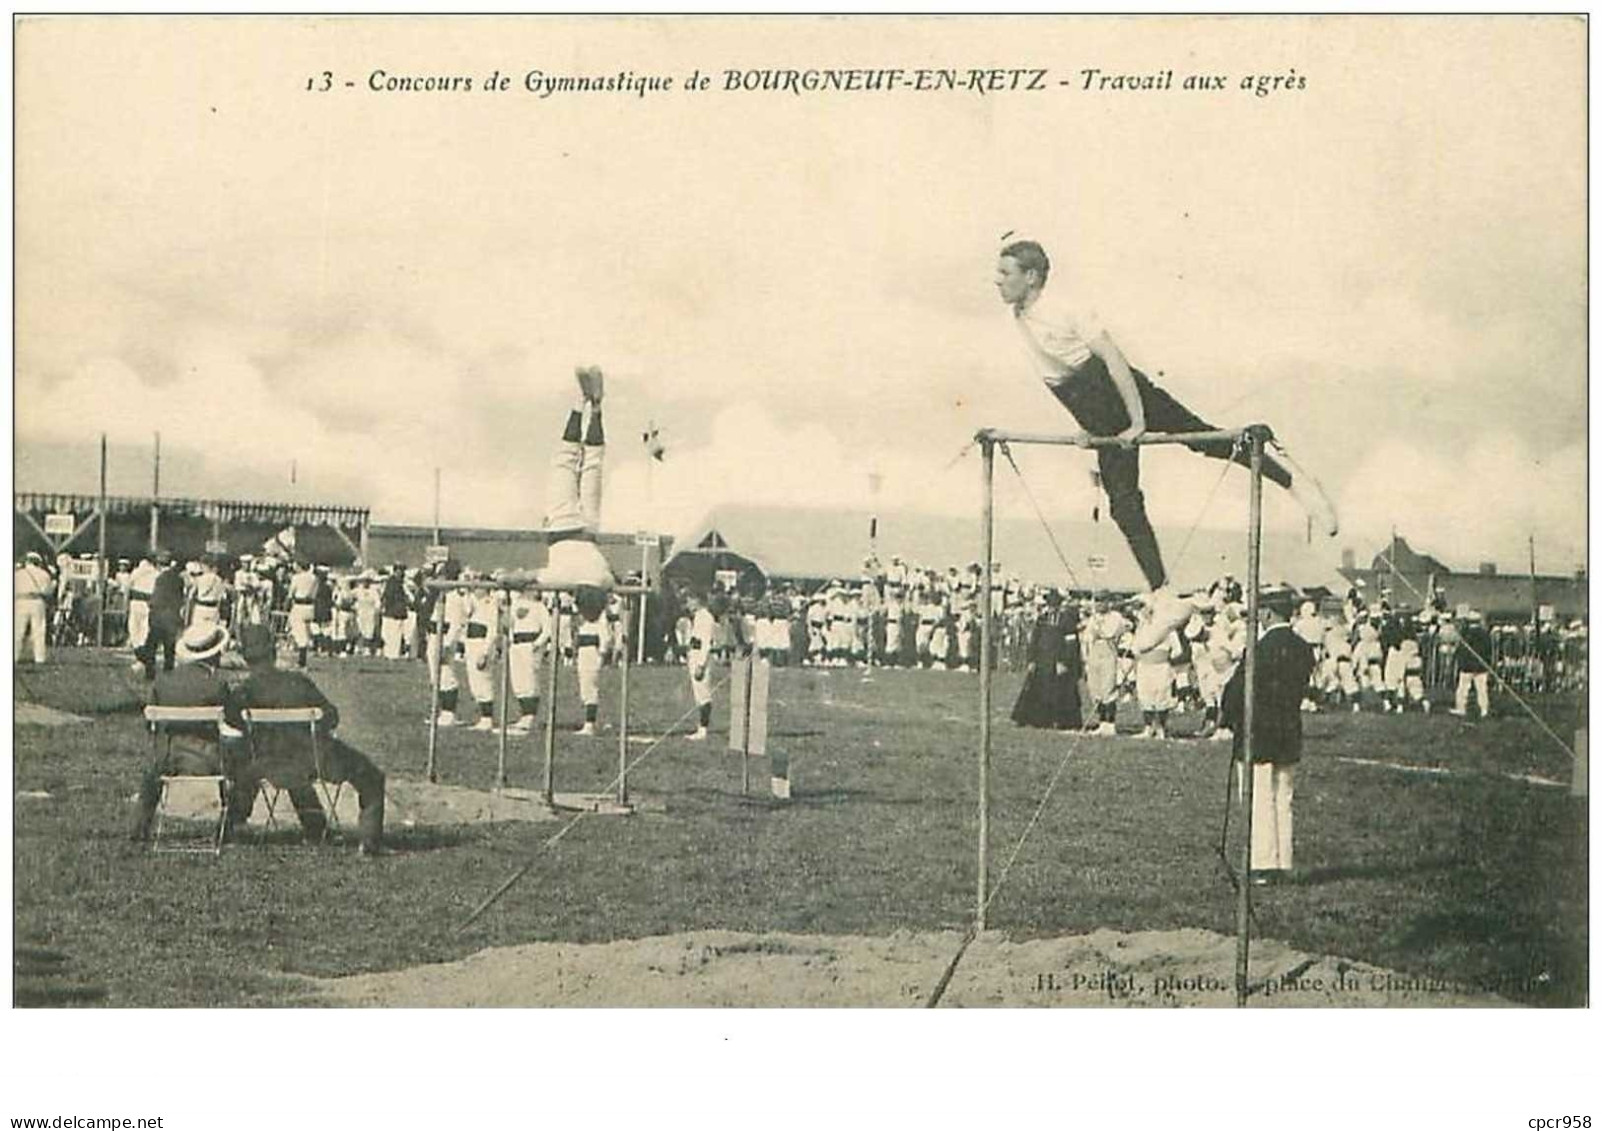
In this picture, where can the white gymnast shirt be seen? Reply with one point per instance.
(1058, 337)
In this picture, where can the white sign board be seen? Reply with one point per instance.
(59, 524)
(647, 538)
(1548, 612)
(216, 546)
(728, 579)
(435, 554)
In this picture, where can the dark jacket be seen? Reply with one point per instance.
(1284, 661)
(394, 603)
(167, 599)
(1475, 637)
(269, 687)
(191, 685)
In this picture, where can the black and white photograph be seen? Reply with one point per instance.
(806, 513)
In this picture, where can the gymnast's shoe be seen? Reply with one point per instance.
(591, 383)
(484, 723)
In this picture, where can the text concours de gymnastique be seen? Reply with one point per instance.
(813, 81)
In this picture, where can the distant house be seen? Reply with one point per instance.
(1406, 578)
(809, 546)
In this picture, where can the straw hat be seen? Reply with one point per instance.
(201, 642)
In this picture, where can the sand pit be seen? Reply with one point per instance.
(25, 714)
(725, 968)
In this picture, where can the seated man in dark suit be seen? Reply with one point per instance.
(1284, 661)
(196, 748)
(283, 755)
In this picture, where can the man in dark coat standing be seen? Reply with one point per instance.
(1050, 695)
(166, 616)
(1284, 661)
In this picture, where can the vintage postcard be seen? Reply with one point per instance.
(800, 511)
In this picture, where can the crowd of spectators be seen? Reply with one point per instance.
(1371, 655)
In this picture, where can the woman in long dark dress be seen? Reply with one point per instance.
(1050, 695)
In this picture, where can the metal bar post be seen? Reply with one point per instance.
(155, 497)
(555, 649)
(645, 579)
(100, 553)
(623, 700)
(435, 658)
(982, 897)
(749, 661)
(1243, 902)
(503, 636)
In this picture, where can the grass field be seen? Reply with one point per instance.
(1469, 875)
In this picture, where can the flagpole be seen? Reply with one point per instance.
(645, 554)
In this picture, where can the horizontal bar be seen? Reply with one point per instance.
(1081, 440)
(533, 586)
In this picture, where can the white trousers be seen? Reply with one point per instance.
(30, 622)
(1273, 790)
(588, 663)
(481, 682)
(394, 631)
(138, 623)
(1480, 682)
(701, 688)
(447, 665)
(524, 660)
(300, 620)
(573, 493)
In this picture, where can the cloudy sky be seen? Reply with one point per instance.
(1388, 266)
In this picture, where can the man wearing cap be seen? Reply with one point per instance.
(140, 582)
(481, 648)
(530, 639)
(166, 616)
(590, 641)
(284, 755)
(196, 748)
(394, 605)
(206, 594)
(703, 627)
(32, 590)
(369, 611)
(1282, 666)
(302, 609)
(1473, 667)
(441, 648)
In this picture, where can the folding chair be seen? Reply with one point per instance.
(159, 719)
(328, 792)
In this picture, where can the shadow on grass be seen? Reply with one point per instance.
(1385, 870)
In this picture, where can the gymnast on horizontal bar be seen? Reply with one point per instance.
(1118, 407)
